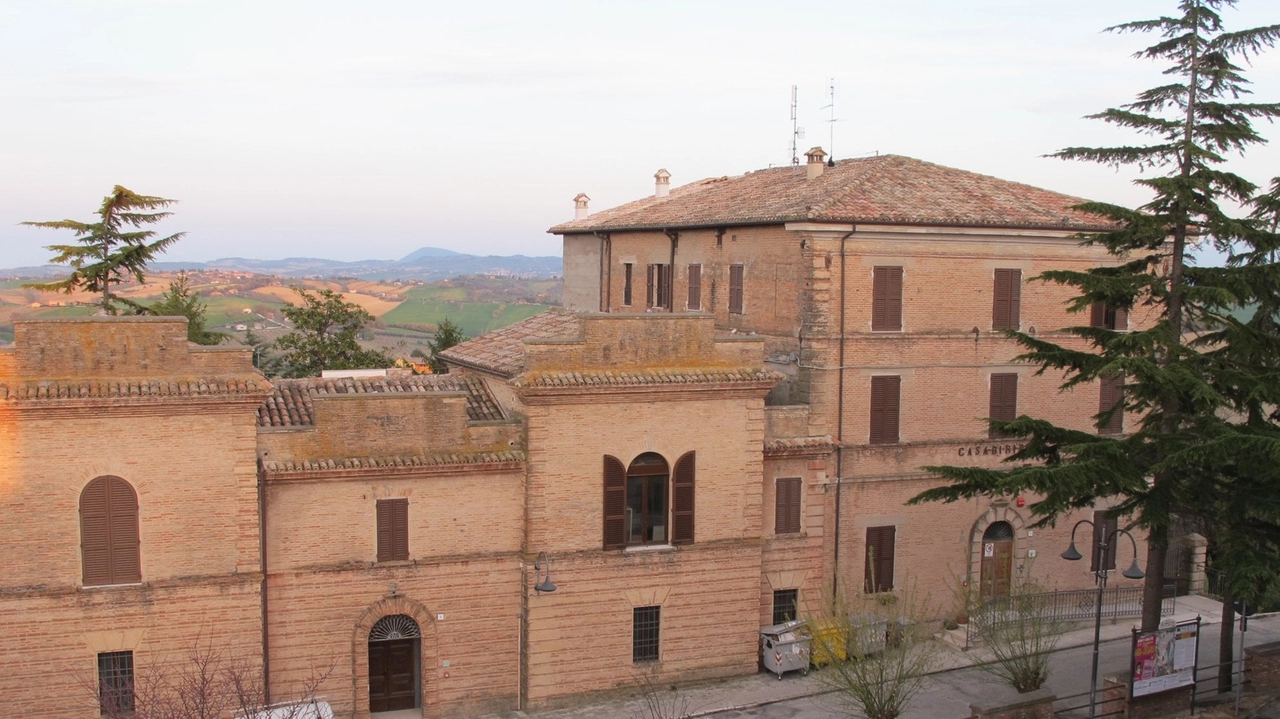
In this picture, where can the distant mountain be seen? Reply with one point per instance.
(427, 263)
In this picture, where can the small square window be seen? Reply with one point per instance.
(784, 605)
(115, 683)
(645, 623)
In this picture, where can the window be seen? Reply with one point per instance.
(658, 288)
(784, 605)
(115, 683)
(886, 299)
(637, 500)
(1004, 399)
(885, 400)
(1112, 318)
(735, 289)
(879, 564)
(393, 530)
(645, 623)
(626, 284)
(1111, 396)
(1007, 300)
(695, 287)
(786, 518)
(109, 533)
(1104, 527)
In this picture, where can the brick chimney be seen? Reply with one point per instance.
(816, 164)
(580, 211)
(661, 183)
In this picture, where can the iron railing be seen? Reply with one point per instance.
(1073, 605)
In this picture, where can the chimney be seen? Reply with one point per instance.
(661, 183)
(580, 206)
(816, 165)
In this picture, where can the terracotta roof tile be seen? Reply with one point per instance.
(799, 445)
(419, 460)
(290, 405)
(655, 376)
(888, 189)
(501, 351)
(32, 390)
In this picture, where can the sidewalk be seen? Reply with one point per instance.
(762, 689)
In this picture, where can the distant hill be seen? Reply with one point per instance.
(427, 263)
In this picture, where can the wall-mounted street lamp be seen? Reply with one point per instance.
(1100, 578)
(543, 582)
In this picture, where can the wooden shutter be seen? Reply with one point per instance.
(615, 503)
(1121, 322)
(626, 287)
(665, 286)
(695, 287)
(682, 480)
(649, 288)
(393, 523)
(1104, 526)
(885, 403)
(886, 299)
(1004, 398)
(735, 289)
(1006, 305)
(1111, 393)
(109, 546)
(879, 560)
(1098, 315)
(787, 506)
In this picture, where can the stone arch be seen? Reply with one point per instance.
(997, 512)
(428, 678)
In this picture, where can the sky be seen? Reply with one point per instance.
(365, 130)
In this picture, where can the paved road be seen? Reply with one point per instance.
(949, 694)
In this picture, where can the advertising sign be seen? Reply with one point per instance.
(1166, 658)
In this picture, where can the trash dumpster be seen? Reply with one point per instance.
(830, 642)
(785, 647)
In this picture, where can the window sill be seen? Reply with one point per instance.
(95, 587)
(649, 548)
(396, 563)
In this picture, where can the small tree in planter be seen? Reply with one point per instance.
(1021, 639)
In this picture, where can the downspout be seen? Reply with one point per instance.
(606, 270)
(262, 562)
(671, 286)
(835, 561)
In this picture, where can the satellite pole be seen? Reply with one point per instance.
(795, 131)
(831, 123)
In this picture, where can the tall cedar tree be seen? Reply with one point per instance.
(325, 336)
(447, 335)
(181, 301)
(107, 254)
(1191, 362)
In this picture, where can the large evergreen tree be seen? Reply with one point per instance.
(325, 336)
(1191, 362)
(108, 252)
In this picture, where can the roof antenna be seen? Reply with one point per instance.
(797, 133)
(831, 123)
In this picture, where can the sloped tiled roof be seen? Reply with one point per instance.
(889, 189)
(290, 405)
(417, 460)
(501, 351)
(27, 390)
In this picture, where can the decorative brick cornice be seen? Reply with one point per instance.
(799, 447)
(425, 464)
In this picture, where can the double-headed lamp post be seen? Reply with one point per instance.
(1100, 578)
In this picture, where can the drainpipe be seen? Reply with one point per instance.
(262, 591)
(606, 270)
(835, 561)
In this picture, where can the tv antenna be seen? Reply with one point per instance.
(831, 123)
(797, 132)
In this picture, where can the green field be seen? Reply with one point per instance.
(474, 318)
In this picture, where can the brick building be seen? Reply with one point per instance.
(735, 405)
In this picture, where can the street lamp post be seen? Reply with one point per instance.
(1100, 578)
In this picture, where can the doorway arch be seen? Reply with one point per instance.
(426, 657)
(997, 560)
(395, 650)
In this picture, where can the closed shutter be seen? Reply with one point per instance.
(109, 545)
(400, 529)
(1098, 315)
(615, 503)
(885, 402)
(1104, 527)
(1111, 393)
(386, 530)
(1004, 398)
(886, 299)
(682, 500)
(665, 286)
(626, 287)
(1121, 321)
(695, 287)
(95, 533)
(735, 289)
(1007, 300)
(649, 287)
(787, 506)
(126, 565)
(879, 560)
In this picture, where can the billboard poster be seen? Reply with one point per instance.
(1166, 658)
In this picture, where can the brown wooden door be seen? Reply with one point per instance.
(997, 567)
(392, 675)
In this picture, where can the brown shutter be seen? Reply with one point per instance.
(400, 529)
(878, 566)
(735, 289)
(386, 531)
(1104, 526)
(787, 506)
(1015, 299)
(667, 285)
(648, 292)
(626, 287)
(95, 533)
(615, 503)
(695, 287)
(109, 533)
(1098, 315)
(1122, 320)
(793, 502)
(1007, 299)
(886, 299)
(885, 402)
(682, 500)
(1004, 398)
(1111, 393)
(126, 565)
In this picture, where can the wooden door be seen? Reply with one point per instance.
(997, 567)
(392, 675)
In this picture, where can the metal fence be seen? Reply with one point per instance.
(1075, 605)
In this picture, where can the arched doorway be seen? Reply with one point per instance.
(997, 559)
(394, 651)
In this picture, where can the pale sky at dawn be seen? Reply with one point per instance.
(364, 130)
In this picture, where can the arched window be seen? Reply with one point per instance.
(647, 503)
(109, 533)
